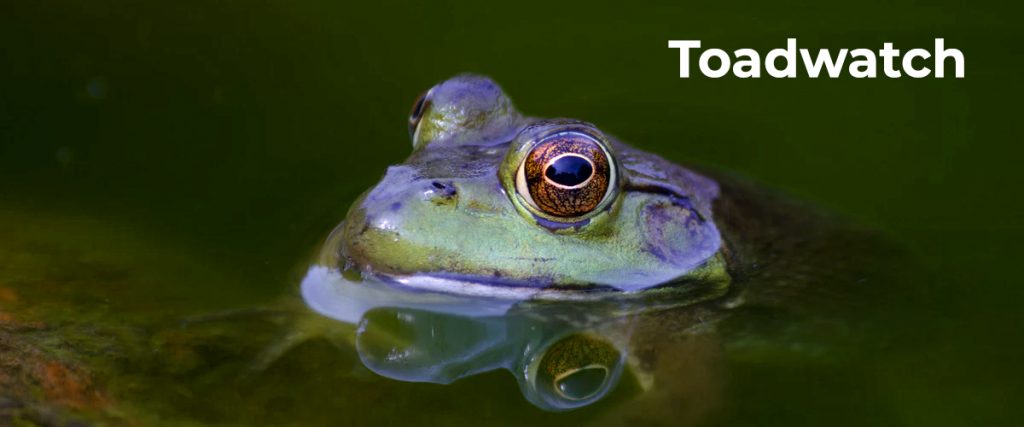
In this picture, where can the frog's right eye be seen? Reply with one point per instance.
(566, 175)
(418, 108)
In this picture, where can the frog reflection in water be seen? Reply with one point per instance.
(506, 241)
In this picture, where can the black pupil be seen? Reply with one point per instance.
(417, 108)
(569, 171)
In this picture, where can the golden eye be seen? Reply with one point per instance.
(565, 175)
(418, 107)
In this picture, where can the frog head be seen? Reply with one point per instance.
(495, 203)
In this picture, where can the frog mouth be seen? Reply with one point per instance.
(492, 287)
(331, 292)
(684, 291)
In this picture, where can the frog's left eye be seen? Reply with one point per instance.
(565, 175)
(418, 107)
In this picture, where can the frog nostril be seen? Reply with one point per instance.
(444, 188)
(441, 192)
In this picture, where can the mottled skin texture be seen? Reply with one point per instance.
(452, 209)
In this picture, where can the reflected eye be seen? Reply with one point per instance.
(416, 114)
(579, 384)
(577, 369)
(565, 175)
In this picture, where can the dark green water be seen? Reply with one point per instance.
(175, 159)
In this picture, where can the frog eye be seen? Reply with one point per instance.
(578, 369)
(565, 175)
(580, 383)
(418, 107)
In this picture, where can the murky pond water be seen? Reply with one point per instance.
(168, 174)
(105, 320)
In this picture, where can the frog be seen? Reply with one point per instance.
(554, 250)
(546, 233)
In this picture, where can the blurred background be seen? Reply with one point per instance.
(242, 130)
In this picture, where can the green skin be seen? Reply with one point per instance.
(452, 210)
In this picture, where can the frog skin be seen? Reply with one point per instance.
(461, 215)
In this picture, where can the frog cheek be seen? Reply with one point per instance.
(675, 233)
